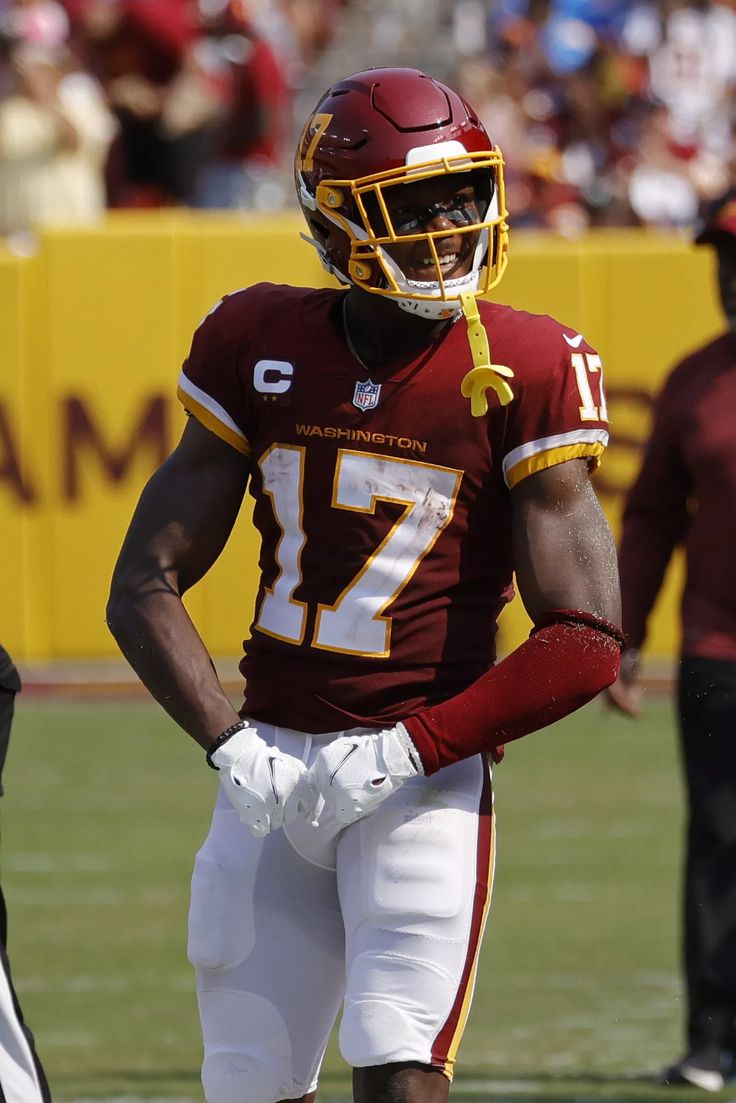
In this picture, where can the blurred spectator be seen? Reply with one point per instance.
(687, 143)
(670, 177)
(140, 50)
(55, 130)
(42, 22)
(202, 93)
(313, 26)
(252, 140)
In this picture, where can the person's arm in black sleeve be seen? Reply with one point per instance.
(654, 523)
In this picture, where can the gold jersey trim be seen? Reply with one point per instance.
(212, 422)
(540, 461)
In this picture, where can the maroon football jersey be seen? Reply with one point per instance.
(685, 493)
(382, 503)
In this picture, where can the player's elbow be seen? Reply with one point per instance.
(120, 602)
(132, 590)
(115, 617)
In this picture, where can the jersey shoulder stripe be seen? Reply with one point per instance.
(536, 455)
(211, 414)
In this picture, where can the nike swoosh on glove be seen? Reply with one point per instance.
(355, 773)
(266, 787)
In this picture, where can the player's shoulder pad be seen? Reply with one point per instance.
(243, 303)
(532, 345)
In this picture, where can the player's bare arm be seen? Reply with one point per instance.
(182, 522)
(184, 516)
(564, 552)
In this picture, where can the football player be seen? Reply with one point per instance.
(408, 448)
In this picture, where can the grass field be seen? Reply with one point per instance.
(578, 996)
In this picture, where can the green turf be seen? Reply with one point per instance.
(578, 996)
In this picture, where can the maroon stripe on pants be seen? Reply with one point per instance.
(443, 1042)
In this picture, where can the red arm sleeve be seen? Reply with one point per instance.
(655, 516)
(568, 659)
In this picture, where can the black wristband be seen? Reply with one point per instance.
(223, 738)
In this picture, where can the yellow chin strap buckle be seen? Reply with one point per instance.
(484, 374)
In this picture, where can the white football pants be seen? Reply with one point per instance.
(384, 917)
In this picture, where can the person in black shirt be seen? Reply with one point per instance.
(685, 494)
(22, 1078)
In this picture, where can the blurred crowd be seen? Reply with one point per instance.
(609, 112)
(149, 103)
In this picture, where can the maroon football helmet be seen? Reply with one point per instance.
(381, 130)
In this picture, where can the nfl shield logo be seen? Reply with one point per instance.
(366, 395)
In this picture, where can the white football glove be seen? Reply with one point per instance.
(266, 787)
(355, 773)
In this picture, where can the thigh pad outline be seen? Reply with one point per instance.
(247, 1050)
(221, 916)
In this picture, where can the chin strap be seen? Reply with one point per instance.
(484, 374)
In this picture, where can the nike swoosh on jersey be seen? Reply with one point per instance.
(574, 342)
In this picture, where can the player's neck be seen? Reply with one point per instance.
(376, 330)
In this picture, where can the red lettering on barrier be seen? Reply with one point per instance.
(10, 467)
(80, 435)
(83, 441)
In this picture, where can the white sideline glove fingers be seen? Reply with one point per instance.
(355, 774)
(266, 787)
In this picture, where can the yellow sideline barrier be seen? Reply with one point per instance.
(94, 327)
